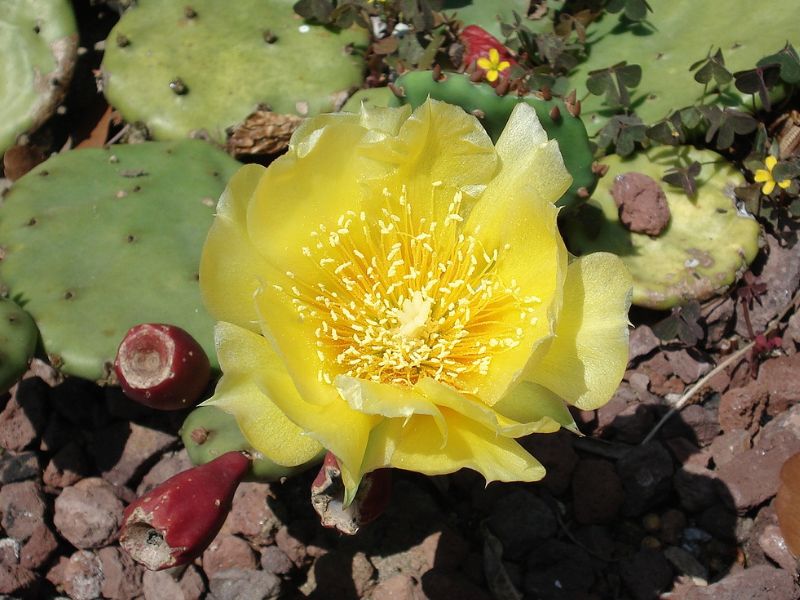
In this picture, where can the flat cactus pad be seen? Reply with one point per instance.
(676, 35)
(39, 45)
(97, 241)
(181, 67)
(487, 14)
(703, 249)
(17, 342)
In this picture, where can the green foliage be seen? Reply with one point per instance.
(18, 337)
(39, 45)
(180, 74)
(97, 241)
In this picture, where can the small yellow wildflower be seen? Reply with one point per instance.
(765, 176)
(493, 65)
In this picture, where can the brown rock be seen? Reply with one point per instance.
(444, 549)
(275, 561)
(397, 587)
(18, 466)
(9, 551)
(23, 507)
(251, 515)
(294, 548)
(444, 584)
(19, 581)
(39, 547)
(742, 408)
(729, 445)
(89, 513)
(236, 584)
(646, 474)
(170, 464)
(752, 478)
(57, 433)
(696, 487)
(596, 491)
(122, 577)
(555, 452)
(123, 450)
(642, 341)
(520, 520)
(23, 418)
(687, 367)
(67, 467)
(757, 583)
(83, 576)
(781, 377)
(228, 552)
(641, 202)
(774, 546)
(703, 423)
(174, 584)
(646, 574)
(340, 574)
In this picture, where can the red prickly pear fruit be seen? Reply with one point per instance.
(174, 522)
(477, 43)
(327, 497)
(162, 366)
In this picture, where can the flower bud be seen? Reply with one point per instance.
(174, 522)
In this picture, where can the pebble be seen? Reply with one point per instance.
(597, 492)
(642, 341)
(122, 577)
(175, 584)
(761, 582)
(781, 377)
(646, 474)
(67, 467)
(774, 546)
(275, 561)
(123, 450)
(18, 466)
(251, 515)
(696, 487)
(228, 552)
(23, 507)
(39, 548)
(520, 520)
(170, 464)
(89, 513)
(236, 584)
(646, 574)
(24, 416)
(397, 587)
(743, 407)
(555, 452)
(83, 576)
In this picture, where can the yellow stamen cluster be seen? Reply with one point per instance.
(407, 297)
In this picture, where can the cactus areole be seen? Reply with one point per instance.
(162, 366)
(173, 523)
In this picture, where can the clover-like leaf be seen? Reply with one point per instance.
(684, 177)
(712, 67)
(758, 81)
(682, 324)
(788, 62)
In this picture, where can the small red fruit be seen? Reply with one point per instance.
(174, 522)
(327, 497)
(477, 43)
(162, 366)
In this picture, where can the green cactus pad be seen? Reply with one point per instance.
(676, 35)
(39, 45)
(209, 70)
(209, 432)
(706, 245)
(97, 241)
(18, 336)
(494, 110)
(382, 96)
(486, 13)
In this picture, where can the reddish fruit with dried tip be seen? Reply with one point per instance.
(162, 366)
(327, 497)
(174, 522)
(787, 504)
(477, 43)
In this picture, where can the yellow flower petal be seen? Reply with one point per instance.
(784, 183)
(761, 176)
(587, 358)
(484, 63)
(241, 354)
(494, 56)
(768, 186)
(446, 397)
(770, 161)
(503, 65)
(491, 76)
(528, 402)
(516, 216)
(417, 446)
(335, 426)
(230, 266)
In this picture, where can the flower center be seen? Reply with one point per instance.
(408, 297)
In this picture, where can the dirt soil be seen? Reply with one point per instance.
(635, 509)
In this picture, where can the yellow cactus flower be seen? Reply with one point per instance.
(493, 65)
(395, 289)
(765, 176)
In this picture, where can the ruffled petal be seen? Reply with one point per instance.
(230, 266)
(516, 216)
(416, 445)
(530, 402)
(587, 358)
(446, 397)
(262, 423)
